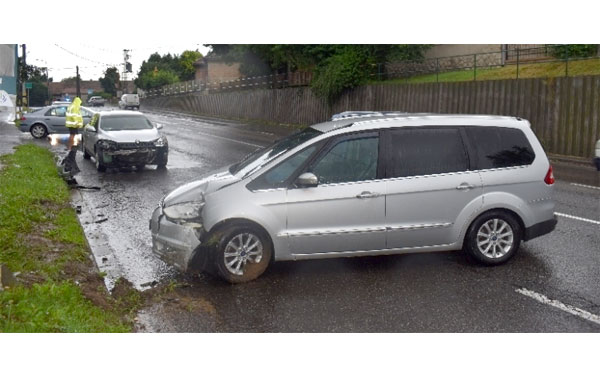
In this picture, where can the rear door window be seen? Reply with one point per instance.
(496, 147)
(425, 151)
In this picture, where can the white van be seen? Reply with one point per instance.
(129, 101)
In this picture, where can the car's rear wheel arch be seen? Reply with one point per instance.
(504, 210)
(494, 236)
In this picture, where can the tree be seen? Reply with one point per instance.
(38, 94)
(163, 70)
(186, 62)
(110, 81)
(336, 67)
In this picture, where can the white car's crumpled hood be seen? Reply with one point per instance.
(144, 135)
(196, 190)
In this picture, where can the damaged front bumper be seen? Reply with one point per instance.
(131, 156)
(177, 244)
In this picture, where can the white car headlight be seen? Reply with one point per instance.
(184, 211)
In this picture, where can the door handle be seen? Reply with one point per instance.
(367, 194)
(465, 186)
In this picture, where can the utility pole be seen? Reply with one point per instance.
(126, 69)
(78, 86)
(24, 98)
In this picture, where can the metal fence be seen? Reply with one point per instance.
(272, 81)
(511, 56)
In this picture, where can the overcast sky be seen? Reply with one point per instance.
(93, 35)
(93, 58)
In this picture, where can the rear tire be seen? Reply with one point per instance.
(38, 131)
(493, 238)
(243, 254)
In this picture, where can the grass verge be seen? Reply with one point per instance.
(537, 70)
(58, 287)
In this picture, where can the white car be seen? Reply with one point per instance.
(123, 138)
(129, 101)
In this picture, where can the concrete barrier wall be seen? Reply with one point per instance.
(564, 112)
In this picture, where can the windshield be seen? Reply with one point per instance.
(260, 157)
(112, 123)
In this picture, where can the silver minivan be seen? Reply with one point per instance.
(378, 185)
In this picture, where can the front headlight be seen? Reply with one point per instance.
(106, 144)
(160, 142)
(183, 211)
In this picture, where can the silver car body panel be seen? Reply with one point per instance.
(402, 215)
(53, 124)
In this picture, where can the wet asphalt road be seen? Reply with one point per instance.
(438, 292)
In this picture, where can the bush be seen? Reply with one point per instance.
(574, 50)
(340, 72)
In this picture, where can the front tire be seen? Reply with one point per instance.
(493, 238)
(100, 166)
(38, 131)
(243, 254)
(162, 159)
(86, 154)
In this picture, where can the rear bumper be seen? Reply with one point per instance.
(540, 229)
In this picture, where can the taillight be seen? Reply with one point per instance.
(549, 180)
(23, 118)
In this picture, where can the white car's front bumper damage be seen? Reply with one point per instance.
(174, 243)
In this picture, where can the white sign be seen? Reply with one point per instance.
(5, 99)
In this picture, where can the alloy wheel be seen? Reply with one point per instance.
(495, 238)
(240, 250)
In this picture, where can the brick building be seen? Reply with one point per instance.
(215, 69)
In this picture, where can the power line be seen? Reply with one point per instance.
(85, 58)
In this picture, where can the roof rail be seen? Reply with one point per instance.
(361, 114)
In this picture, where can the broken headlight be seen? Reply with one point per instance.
(160, 142)
(105, 144)
(183, 211)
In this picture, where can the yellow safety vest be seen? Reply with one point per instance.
(74, 118)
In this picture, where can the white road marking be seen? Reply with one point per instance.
(578, 218)
(559, 305)
(586, 186)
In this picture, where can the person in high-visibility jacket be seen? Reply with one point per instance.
(74, 122)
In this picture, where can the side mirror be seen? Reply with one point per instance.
(90, 128)
(159, 126)
(306, 180)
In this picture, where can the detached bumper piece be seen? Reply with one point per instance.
(540, 229)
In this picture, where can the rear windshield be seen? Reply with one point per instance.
(114, 123)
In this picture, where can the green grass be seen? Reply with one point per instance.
(554, 69)
(41, 238)
(54, 307)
